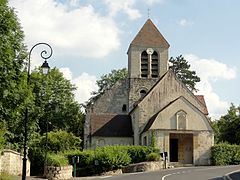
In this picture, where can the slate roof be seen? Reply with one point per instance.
(149, 35)
(111, 125)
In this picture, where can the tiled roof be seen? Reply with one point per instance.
(149, 35)
(202, 100)
(111, 125)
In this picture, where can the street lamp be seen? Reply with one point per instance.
(45, 55)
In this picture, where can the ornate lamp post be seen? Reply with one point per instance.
(45, 68)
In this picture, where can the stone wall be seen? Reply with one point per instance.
(55, 173)
(134, 57)
(144, 166)
(11, 163)
(136, 85)
(202, 143)
(166, 91)
(112, 100)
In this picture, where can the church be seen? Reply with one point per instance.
(151, 102)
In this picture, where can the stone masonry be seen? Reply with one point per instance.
(11, 163)
(59, 173)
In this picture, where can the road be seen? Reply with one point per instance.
(187, 173)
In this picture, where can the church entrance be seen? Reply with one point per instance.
(173, 150)
(181, 148)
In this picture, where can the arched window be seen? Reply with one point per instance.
(144, 64)
(142, 93)
(154, 65)
(181, 117)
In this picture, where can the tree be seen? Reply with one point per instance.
(229, 126)
(54, 101)
(107, 81)
(13, 90)
(181, 67)
(2, 133)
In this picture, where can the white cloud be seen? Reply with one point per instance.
(126, 6)
(211, 70)
(184, 22)
(152, 2)
(77, 31)
(66, 73)
(85, 84)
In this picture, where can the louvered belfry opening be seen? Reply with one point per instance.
(154, 65)
(144, 64)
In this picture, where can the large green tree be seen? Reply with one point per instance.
(181, 68)
(13, 91)
(54, 101)
(227, 129)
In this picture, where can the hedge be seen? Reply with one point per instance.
(103, 159)
(109, 158)
(225, 154)
(57, 160)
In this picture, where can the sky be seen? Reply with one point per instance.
(89, 38)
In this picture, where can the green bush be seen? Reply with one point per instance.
(58, 142)
(139, 153)
(109, 158)
(112, 157)
(86, 157)
(153, 157)
(225, 154)
(57, 160)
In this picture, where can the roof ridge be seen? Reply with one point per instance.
(152, 118)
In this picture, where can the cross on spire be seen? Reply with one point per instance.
(148, 12)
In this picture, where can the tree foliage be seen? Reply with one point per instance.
(13, 90)
(107, 81)
(181, 68)
(48, 97)
(227, 129)
(54, 101)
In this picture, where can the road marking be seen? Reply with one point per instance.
(163, 178)
(189, 171)
(104, 177)
(176, 173)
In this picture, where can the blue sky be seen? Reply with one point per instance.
(91, 37)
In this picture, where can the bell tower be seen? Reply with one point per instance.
(147, 61)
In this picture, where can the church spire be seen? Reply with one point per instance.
(149, 35)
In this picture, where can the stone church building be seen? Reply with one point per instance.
(152, 101)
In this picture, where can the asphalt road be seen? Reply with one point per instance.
(187, 173)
